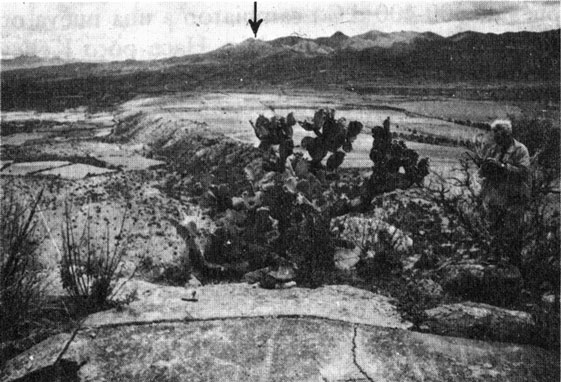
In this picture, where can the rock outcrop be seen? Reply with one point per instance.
(481, 321)
(486, 283)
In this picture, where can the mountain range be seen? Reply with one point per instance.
(367, 60)
(396, 42)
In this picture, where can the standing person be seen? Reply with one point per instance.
(505, 190)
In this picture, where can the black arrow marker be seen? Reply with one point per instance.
(254, 23)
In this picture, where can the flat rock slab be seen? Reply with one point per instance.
(26, 168)
(278, 349)
(76, 171)
(338, 302)
(130, 162)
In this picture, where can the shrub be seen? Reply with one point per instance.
(541, 137)
(540, 229)
(314, 249)
(20, 280)
(89, 267)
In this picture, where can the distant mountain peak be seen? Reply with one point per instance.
(371, 35)
(339, 34)
(464, 35)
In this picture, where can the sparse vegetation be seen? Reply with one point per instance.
(540, 257)
(272, 207)
(90, 268)
(20, 277)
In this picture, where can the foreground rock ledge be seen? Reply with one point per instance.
(278, 349)
(235, 332)
(165, 304)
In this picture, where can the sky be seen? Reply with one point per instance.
(106, 31)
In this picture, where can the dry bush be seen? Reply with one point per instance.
(540, 229)
(20, 277)
(90, 266)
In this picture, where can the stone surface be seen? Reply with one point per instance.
(283, 349)
(338, 302)
(482, 321)
(488, 283)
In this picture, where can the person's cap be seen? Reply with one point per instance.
(502, 125)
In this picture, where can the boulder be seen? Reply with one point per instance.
(475, 281)
(346, 258)
(255, 276)
(481, 321)
(284, 274)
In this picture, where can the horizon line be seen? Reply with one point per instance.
(86, 60)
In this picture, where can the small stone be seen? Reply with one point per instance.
(548, 298)
(288, 285)
(193, 282)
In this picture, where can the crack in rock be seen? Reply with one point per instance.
(269, 355)
(354, 349)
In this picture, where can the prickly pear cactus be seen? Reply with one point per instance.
(332, 136)
(273, 132)
(395, 166)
